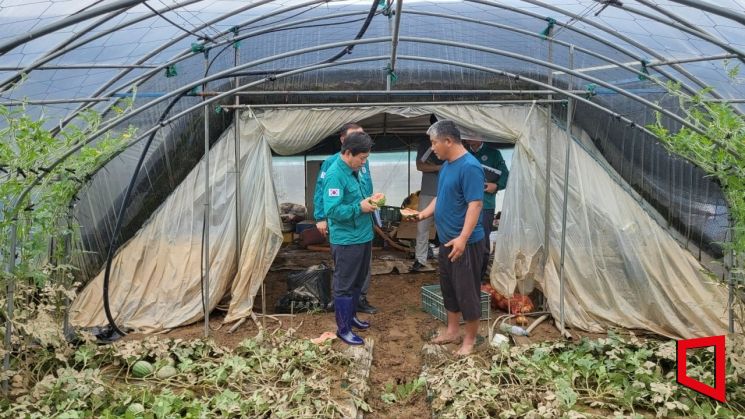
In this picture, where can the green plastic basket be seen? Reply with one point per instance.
(432, 303)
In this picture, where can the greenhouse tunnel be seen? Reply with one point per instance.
(194, 69)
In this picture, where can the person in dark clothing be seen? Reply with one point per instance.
(319, 214)
(349, 217)
(495, 175)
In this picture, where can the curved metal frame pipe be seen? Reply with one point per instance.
(188, 53)
(603, 28)
(64, 48)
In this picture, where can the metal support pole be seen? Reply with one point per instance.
(564, 213)
(237, 169)
(547, 197)
(731, 279)
(567, 157)
(66, 329)
(394, 43)
(207, 215)
(408, 171)
(10, 292)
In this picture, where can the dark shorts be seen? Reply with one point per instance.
(460, 281)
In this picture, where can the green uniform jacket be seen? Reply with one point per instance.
(491, 157)
(318, 211)
(343, 190)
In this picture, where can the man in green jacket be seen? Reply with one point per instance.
(495, 174)
(318, 209)
(349, 217)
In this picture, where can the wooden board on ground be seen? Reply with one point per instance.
(359, 370)
(521, 340)
(383, 267)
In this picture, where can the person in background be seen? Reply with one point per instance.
(427, 163)
(495, 174)
(349, 222)
(320, 215)
(457, 214)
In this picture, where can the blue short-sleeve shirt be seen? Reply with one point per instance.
(460, 182)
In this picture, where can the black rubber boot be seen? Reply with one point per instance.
(356, 322)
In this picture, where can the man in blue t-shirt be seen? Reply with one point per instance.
(319, 213)
(457, 212)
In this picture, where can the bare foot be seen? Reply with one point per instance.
(464, 350)
(445, 338)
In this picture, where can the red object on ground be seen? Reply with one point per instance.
(520, 304)
(516, 304)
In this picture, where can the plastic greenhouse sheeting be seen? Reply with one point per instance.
(622, 268)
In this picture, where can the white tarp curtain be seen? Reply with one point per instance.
(156, 276)
(626, 271)
(621, 267)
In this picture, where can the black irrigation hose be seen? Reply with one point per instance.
(120, 217)
(343, 52)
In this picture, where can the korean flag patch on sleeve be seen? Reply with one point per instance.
(333, 192)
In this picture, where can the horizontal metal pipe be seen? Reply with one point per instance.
(54, 101)
(692, 59)
(393, 92)
(373, 104)
(655, 63)
(558, 90)
(79, 67)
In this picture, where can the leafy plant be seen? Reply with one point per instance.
(403, 392)
(27, 154)
(615, 375)
(718, 149)
(273, 375)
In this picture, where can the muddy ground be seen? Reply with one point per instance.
(399, 329)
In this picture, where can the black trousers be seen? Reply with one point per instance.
(351, 267)
(487, 218)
